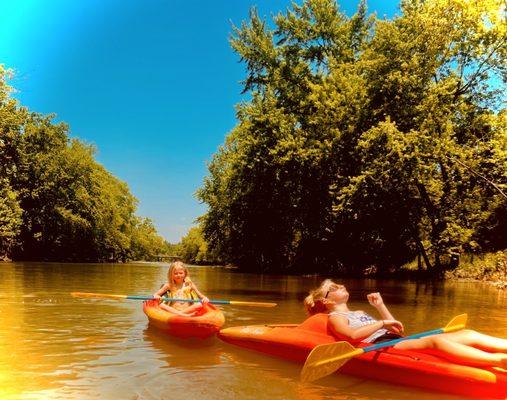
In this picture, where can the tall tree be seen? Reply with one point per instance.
(56, 201)
(364, 142)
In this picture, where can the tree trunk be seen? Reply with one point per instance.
(422, 252)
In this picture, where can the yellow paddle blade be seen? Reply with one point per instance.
(99, 295)
(251, 304)
(457, 323)
(327, 358)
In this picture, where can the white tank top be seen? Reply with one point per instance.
(358, 319)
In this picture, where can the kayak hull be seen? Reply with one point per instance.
(410, 368)
(208, 321)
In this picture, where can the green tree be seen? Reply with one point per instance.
(268, 188)
(432, 98)
(10, 210)
(364, 142)
(10, 217)
(57, 202)
(146, 242)
(194, 249)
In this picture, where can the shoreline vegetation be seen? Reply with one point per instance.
(489, 268)
(364, 143)
(363, 147)
(57, 203)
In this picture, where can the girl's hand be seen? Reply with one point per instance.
(204, 300)
(156, 296)
(393, 325)
(375, 299)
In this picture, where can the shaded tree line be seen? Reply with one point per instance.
(57, 203)
(364, 142)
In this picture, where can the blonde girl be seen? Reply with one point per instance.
(179, 286)
(465, 346)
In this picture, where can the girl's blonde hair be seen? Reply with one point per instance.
(174, 265)
(314, 302)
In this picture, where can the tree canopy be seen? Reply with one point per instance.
(56, 201)
(364, 142)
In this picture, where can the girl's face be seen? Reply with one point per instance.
(336, 293)
(179, 275)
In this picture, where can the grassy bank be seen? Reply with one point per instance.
(486, 267)
(491, 267)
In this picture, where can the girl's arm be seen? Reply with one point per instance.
(203, 298)
(161, 291)
(340, 326)
(375, 299)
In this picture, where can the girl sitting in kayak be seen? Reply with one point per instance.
(465, 346)
(179, 286)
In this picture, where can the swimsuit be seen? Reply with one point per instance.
(185, 292)
(386, 337)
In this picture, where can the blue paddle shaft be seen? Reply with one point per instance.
(168, 299)
(395, 341)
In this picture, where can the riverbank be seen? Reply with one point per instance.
(489, 267)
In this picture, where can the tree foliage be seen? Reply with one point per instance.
(364, 142)
(56, 201)
(193, 248)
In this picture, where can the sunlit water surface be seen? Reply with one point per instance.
(54, 346)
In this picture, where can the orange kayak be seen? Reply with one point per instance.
(205, 323)
(410, 368)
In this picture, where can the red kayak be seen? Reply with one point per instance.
(205, 323)
(411, 368)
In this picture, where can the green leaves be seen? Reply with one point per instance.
(56, 201)
(10, 217)
(365, 142)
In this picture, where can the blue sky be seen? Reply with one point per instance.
(152, 84)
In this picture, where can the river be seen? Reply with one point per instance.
(54, 346)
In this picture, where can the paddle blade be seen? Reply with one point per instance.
(251, 304)
(99, 295)
(457, 323)
(327, 358)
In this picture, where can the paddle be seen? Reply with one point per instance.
(168, 299)
(327, 358)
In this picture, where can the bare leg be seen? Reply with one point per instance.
(475, 339)
(193, 308)
(190, 311)
(165, 307)
(453, 351)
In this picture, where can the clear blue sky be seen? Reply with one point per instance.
(152, 84)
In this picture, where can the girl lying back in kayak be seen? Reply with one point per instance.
(179, 286)
(465, 346)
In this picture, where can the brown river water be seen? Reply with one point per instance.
(54, 346)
